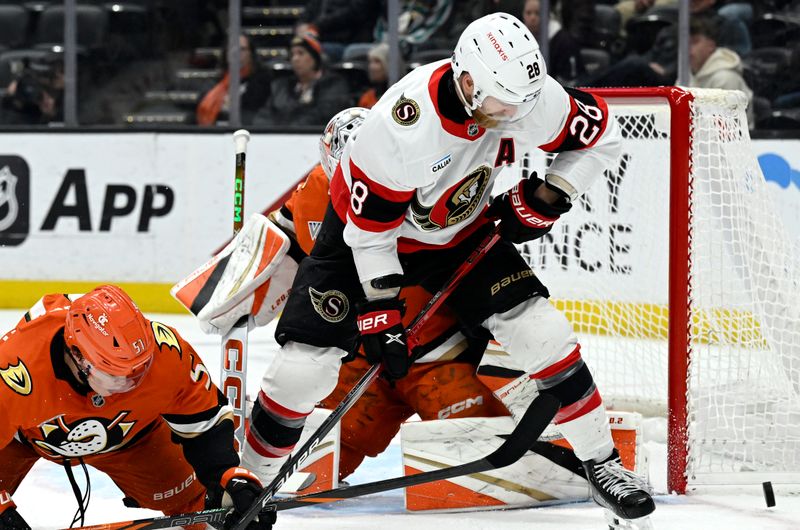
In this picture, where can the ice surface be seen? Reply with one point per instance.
(46, 501)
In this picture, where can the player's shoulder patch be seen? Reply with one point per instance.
(17, 377)
(46, 306)
(165, 336)
(406, 111)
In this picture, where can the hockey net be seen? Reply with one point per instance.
(683, 286)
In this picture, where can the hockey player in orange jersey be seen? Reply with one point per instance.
(91, 381)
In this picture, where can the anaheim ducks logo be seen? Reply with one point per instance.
(17, 377)
(455, 205)
(331, 305)
(165, 336)
(84, 437)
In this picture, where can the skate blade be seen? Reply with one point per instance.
(616, 522)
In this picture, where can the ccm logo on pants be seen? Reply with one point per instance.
(460, 406)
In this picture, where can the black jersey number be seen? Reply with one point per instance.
(533, 71)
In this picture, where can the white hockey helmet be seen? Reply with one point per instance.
(341, 128)
(503, 58)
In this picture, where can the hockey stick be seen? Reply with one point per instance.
(291, 465)
(234, 342)
(539, 414)
(297, 458)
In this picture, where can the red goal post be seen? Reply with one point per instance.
(683, 287)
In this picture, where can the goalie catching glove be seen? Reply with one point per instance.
(383, 336)
(250, 276)
(523, 215)
(239, 489)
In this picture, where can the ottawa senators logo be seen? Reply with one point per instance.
(84, 437)
(331, 305)
(405, 111)
(455, 205)
(17, 377)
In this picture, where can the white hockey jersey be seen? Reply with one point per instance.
(414, 178)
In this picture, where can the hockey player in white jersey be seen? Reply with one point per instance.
(409, 202)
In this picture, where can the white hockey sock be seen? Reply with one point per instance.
(264, 467)
(589, 435)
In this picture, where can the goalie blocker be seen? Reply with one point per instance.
(250, 276)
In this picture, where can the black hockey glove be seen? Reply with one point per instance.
(10, 519)
(523, 216)
(383, 336)
(240, 488)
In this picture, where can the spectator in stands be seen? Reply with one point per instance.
(713, 66)
(421, 22)
(565, 62)
(35, 96)
(377, 72)
(733, 33)
(630, 8)
(310, 96)
(744, 11)
(577, 17)
(658, 66)
(339, 23)
(254, 88)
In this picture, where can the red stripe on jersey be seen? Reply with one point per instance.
(278, 409)
(604, 108)
(573, 111)
(456, 129)
(379, 189)
(579, 408)
(368, 225)
(573, 108)
(560, 366)
(407, 245)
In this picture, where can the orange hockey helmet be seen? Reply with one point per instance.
(109, 339)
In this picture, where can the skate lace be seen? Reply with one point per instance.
(618, 481)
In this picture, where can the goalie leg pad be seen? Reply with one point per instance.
(551, 472)
(531, 481)
(540, 341)
(223, 289)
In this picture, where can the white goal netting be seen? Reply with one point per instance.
(607, 266)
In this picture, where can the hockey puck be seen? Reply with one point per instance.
(769, 495)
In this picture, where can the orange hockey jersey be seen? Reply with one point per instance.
(43, 406)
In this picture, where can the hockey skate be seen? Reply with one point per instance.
(624, 494)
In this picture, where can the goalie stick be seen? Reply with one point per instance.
(234, 342)
(539, 414)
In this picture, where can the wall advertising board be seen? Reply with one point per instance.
(145, 209)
